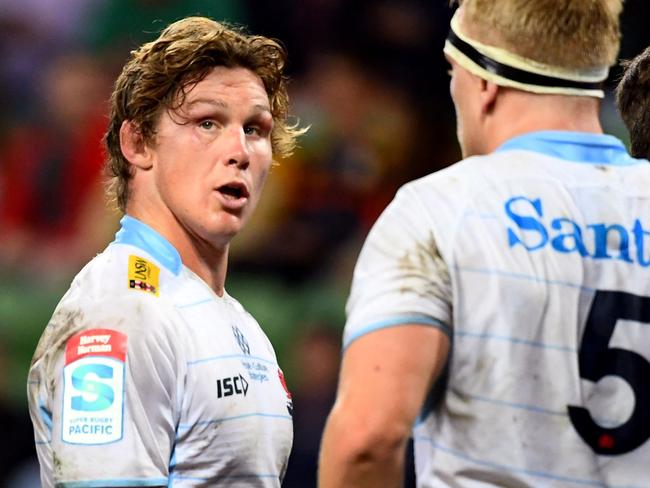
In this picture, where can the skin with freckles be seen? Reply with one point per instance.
(200, 180)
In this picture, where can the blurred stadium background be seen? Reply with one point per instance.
(368, 76)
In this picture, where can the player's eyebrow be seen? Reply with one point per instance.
(207, 101)
(259, 107)
(262, 108)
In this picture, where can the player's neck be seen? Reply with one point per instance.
(521, 113)
(208, 260)
(207, 263)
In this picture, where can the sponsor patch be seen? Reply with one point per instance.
(235, 385)
(93, 387)
(143, 275)
(286, 389)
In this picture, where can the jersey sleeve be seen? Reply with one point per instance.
(112, 394)
(400, 277)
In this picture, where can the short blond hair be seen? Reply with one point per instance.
(573, 34)
(158, 74)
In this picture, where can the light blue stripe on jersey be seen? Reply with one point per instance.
(112, 483)
(603, 422)
(396, 322)
(521, 276)
(514, 469)
(230, 356)
(514, 340)
(519, 406)
(231, 476)
(579, 147)
(140, 235)
(46, 416)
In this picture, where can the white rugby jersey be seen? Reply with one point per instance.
(145, 377)
(534, 259)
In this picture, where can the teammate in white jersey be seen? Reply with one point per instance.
(633, 100)
(500, 308)
(149, 373)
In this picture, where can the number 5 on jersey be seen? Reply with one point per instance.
(597, 360)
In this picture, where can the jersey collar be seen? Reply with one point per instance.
(579, 147)
(140, 235)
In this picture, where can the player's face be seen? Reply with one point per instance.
(212, 155)
(461, 87)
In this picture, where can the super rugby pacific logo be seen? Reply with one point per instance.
(94, 383)
(93, 387)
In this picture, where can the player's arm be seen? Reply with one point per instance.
(113, 409)
(385, 378)
(396, 344)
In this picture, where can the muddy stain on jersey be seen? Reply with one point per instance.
(424, 271)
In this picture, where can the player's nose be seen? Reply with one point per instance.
(236, 150)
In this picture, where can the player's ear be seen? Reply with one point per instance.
(488, 96)
(133, 146)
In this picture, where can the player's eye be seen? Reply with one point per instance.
(252, 130)
(207, 124)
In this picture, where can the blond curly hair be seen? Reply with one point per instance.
(158, 75)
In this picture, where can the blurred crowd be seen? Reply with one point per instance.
(368, 77)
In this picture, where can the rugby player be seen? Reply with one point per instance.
(500, 308)
(149, 373)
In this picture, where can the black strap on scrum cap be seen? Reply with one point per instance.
(516, 74)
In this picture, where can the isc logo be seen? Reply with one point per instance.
(236, 385)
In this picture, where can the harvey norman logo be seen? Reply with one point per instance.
(94, 344)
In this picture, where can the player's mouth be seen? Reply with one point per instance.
(233, 195)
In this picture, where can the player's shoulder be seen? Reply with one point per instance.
(468, 172)
(125, 273)
(122, 285)
(119, 292)
(447, 188)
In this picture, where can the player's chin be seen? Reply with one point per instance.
(226, 225)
